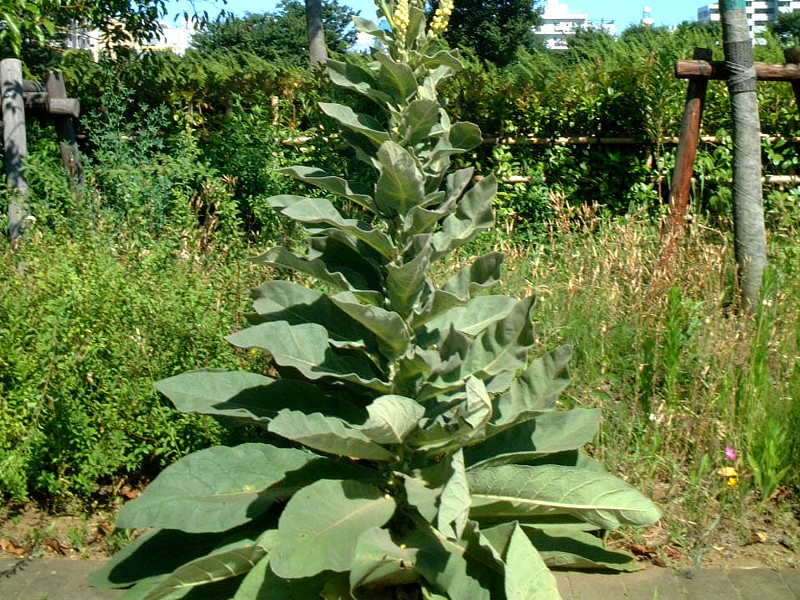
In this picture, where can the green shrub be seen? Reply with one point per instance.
(88, 321)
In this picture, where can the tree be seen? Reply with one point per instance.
(749, 236)
(317, 54)
(493, 29)
(280, 35)
(787, 28)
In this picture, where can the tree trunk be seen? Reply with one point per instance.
(15, 142)
(317, 54)
(749, 236)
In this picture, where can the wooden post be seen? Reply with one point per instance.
(687, 149)
(792, 56)
(15, 143)
(65, 129)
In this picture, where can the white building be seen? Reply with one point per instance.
(759, 13)
(172, 38)
(558, 24)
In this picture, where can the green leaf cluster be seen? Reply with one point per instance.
(411, 441)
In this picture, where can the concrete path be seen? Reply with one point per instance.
(65, 579)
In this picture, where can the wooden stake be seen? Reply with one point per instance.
(65, 129)
(792, 56)
(15, 143)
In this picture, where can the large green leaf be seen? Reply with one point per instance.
(473, 216)
(208, 570)
(296, 304)
(470, 319)
(312, 211)
(306, 348)
(405, 284)
(526, 576)
(443, 564)
(566, 548)
(419, 119)
(350, 76)
(213, 489)
(320, 526)
(380, 562)
(534, 392)
(484, 272)
(396, 78)
(339, 277)
(262, 584)
(502, 347)
(460, 138)
(421, 220)
(391, 419)
(355, 122)
(455, 500)
(400, 185)
(597, 498)
(243, 395)
(386, 325)
(548, 433)
(356, 192)
(157, 553)
(327, 434)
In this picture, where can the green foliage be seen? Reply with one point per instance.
(88, 322)
(493, 29)
(787, 28)
(407, 438)
(278, 36)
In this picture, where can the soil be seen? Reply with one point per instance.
(760, 540)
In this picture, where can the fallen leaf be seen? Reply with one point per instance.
(673, 552)
(11, 547)
(727, 472)
(719, 548)
(639, 550)
(762, 537)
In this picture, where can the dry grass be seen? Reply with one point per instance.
(679, 373)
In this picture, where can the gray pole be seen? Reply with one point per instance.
(749, 235)
(15, 145)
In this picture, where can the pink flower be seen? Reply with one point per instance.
(729, 453)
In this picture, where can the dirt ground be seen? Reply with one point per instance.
(762, 541)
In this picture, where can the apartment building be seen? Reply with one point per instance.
(759, 13)
(558, 24)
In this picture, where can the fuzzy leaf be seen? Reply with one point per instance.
(502, 347)
(442, 563)
(386, 325)
(213, 489)
(350, 76)
(420, 118)
(455, 500)
(157, 553)
(320, 526)
(473, 216)
(422, 497)
(341, 277)
(548, 433)
(484, 272)
(597, 498)
(243, 395)
(470, 319)
(358, 123)
(396, 78)
(306, 348)
(262, 584)
(313, 211)
(391, 419)
(379, 562)
(534, 392)
(208, 570)
(405, 284)
(296, 304)
(400, 185)
(326, 434)
(355, 192)
(566, 548)
(526, 576)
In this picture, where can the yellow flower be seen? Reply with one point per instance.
(731, 482)
(441, 17)
(401, 18)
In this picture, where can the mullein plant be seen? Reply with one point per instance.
(411, 449)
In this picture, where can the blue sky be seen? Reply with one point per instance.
(623, 12)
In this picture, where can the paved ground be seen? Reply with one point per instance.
(65, 579)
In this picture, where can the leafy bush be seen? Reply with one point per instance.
(88, 321)
(412, 443)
